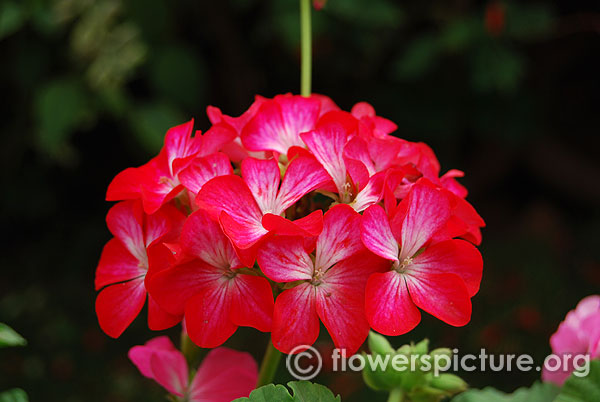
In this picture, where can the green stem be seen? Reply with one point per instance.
(189, 349)
(269, 365)
(306, 48)
(397, 395)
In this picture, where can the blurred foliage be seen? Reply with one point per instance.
(506, 91)
(585, 388)
(13, 395)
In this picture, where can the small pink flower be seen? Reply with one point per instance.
(223, 375)
(578, 334)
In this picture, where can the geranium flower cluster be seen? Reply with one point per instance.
(293, 214)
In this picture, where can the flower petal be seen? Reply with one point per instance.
(118, 305)
(203, 238)
(201, 170)
(213, 381)
(376, 233)
(341, 299)
(454, 257)
(327, 144)
(262, 178)
(207, 316)
(295, 319)
(371, 194)
(284, 259)
(278, 123)
(116, 265)
(388, 306)
(251, 302)
(140, 355)
(303, 175)
(159, 319)
(428, 210)
(443, 295)
(308, 226)
(173, 287)
(125, 222)
(340, 237)
(170, 370)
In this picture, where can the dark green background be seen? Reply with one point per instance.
(89, 87)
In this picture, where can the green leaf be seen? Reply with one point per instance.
(582, 389)
(539, 392)
(8, 337)
(528, 21)
(304, 391)
(14, 395)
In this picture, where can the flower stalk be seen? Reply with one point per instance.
(269, 365)
(306, 48)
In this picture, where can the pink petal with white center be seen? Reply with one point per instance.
(308, 226)
(203, 238)
(340, 299)
(118, 305)
(427, 213)
(117, 265)
(262, 178)
(159, 186)
(444, 296)
(204, 169)
(295, 319)
(172, 288)
(278, 123)
(213, 381)
(251, 302)
(207, 316)
(125, 222)
(454, 257)
(159, 319)
(303, 175)
(327, 144)
(170, 370)
(358, 149)
(371, 194)
(384, 151)
(340, 237)
(388, 305)
(376, 233)
(284, 259)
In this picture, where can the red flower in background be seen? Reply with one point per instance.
(429, 270)
(123, 266)
(160, 361)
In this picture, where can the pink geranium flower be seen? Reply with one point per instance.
(329, 286)
(578, 334)
(428, 270)
(223, 375)
(206, 285)
(124, 264)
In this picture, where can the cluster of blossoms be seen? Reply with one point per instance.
(292, 214)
